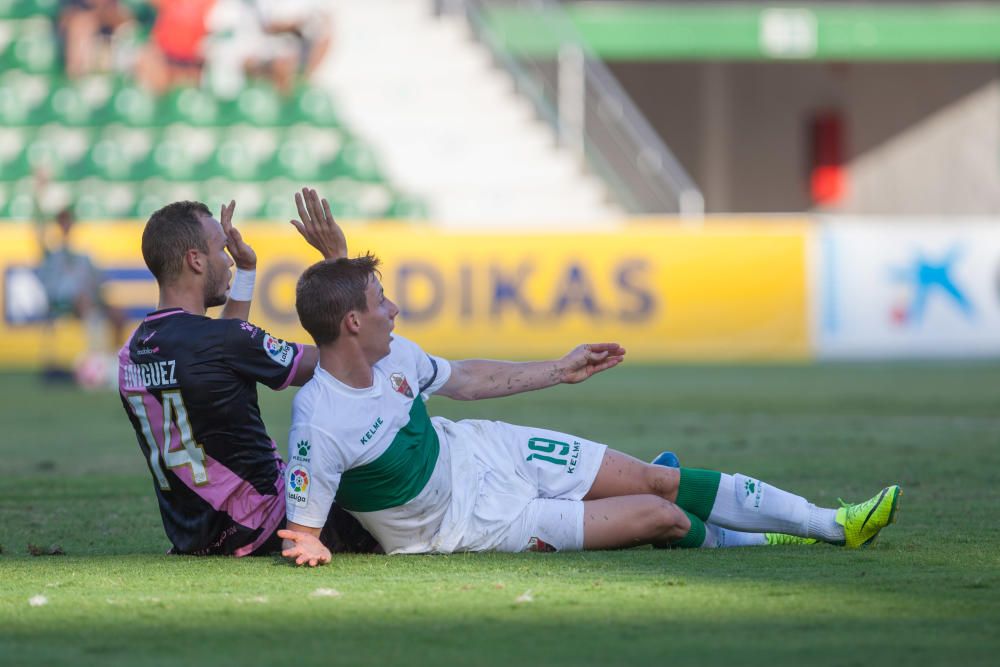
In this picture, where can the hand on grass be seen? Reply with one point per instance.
(303, 548)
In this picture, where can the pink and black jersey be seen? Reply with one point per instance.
(189, 386)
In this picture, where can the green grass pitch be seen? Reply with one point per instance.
(928, 593)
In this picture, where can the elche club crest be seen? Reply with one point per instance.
(400, 384)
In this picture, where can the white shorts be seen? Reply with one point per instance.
(529, 486)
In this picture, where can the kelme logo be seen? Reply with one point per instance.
(751, 487)
(303, 448)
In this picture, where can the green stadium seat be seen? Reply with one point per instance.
(298, 159)
(261, 106)
(32, 48)
(357, 160)
(97, 199)
(131, 105)
(17, 199)
(132, 145)
(123, 152)
(183, 153)
(154, 193)
(278, 199)
(193, 106)
(407, 208)
(244, 153)
(22, 97)
(80, 104)
(109, 160)
(13, 153)
(58, 150)
(45, 152)
(21, 9)
(249, 196)
(313, 106)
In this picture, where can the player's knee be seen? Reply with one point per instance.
(681, 525)
(662, 481)
(665, 521)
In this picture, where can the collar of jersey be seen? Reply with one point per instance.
(338, 386)
(166, 312)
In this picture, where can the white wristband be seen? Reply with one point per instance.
(242, 289)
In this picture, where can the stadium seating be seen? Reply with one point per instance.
(117, 151)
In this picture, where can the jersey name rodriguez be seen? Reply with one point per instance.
(154, 374)
(371, 449)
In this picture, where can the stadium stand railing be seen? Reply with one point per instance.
(117, 151)
(586, 106)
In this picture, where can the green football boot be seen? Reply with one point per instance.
(781, 539)
(863, 521)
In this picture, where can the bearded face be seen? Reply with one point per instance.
(217, 265)
(216, 285)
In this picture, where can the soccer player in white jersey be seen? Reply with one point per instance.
(361, 435)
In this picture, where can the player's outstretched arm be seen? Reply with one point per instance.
(238, 304)
(301, 544)
(317, 225)
(472, 379)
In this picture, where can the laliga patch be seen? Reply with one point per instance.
(298, 485)
(400, 384)
(279, 351)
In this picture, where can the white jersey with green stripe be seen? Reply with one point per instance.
(374, 450)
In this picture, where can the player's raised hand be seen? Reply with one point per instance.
(241, 252)
(586, 360)
(317, 226)
(305, 549)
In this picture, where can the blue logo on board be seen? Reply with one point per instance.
(926, 280)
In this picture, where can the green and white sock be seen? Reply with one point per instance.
(695, 536)
(746, 504)
(717, 537)
(707, 536)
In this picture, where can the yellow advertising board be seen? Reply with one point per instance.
(719, 291)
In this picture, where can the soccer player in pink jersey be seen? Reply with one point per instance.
(188, 384)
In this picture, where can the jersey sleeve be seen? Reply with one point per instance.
(432, 371)
(312, 477)
(259, 356)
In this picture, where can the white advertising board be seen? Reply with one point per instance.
(907, 289)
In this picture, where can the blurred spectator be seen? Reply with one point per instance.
(86, 30)
(270, 39)
(228, 40)
(175, 53)
(304, 22)
(73, 288)
(237, 47)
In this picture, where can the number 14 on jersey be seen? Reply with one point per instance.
(175, 421)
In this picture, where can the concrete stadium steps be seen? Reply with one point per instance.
(447, 124)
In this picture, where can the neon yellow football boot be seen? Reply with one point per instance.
(863, 521)
(782, 539)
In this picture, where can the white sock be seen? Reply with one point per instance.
(717, 537)
(823, 524)
(747, 504)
